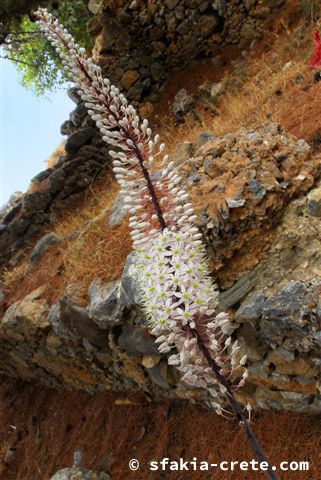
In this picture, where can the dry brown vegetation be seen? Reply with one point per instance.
(272, 83)
(51, 425)
(90, 249)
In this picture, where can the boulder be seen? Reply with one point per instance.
(79, 474)
(106, 307)
(136, 341)
(46, 242)
(78, 139)
(183, 103)
(117, 212)
(26, 317)
(76, 319)
(130, 291)
(314, 202)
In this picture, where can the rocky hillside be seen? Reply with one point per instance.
(250, 158)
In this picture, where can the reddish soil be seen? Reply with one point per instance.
(49, 426)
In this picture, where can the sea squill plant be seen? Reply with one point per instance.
(179, 297)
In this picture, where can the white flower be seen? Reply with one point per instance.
(179, 297)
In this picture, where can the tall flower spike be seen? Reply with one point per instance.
(179, 296)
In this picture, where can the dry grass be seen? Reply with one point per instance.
(101, 252)
(11, 277)
(274, 83)
(97, 198)
(56, 155)
(94, 250)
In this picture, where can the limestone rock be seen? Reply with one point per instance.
(217, 89)
(35, 202)
(183, 151)
(208, 24)
(314, 202)
(288, 319)
(78, 139)
(129, 78)
(79, 474)
(46, 242)
(130, 291)
(95, 5)
(204, 138)
(158, 375)
(74, 95)
(76, 319)
(77, 115)
(105, 308)
(183, 103)
(136, 341)
(27, 316)
(67, 128)
(117, 213)
(55, 322)
(238, 213)
(233, 295)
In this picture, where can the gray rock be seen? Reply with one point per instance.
(231, 203)
(208, 24)
(117, 213)
(251, 310)
(54, 320)
(220, 6)
(157, 374)
(67, 128)
(317, 338)
(287, 319)
(95, 5)
(136, 341)
(35, 202)
(40, 177)
(236, 293)
(79, 474)
(217, 89)
(46, 242)
(77, 115)
(183, 152)
(256, 188)
(74, 95)
(76, 319)
(57, 180)
(78, 139)
(314, 202)
(105, 308)
(130, 291)
(179, 12)
(183, 103)
(2, 296)
(170, 4)
(204, 138)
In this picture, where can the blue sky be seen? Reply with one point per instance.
(29, 130)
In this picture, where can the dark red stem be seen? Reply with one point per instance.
(236, 408)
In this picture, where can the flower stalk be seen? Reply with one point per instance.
(179, 297)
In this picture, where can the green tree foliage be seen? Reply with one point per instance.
(34, 57)
(11, 13)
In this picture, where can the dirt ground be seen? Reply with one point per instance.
(44, 428)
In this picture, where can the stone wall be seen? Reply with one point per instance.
(273, 297)
(138, 43)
